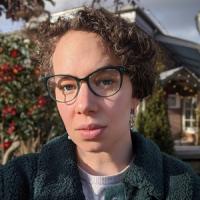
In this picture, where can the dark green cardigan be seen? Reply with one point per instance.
(52, 174)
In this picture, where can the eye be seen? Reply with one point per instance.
(105, 82)
(67, 86)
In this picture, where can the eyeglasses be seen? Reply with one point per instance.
(103, 82)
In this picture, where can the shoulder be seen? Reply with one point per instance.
(170, 164)
(16, 177)
(23, 163)
(174, 165)
(28, 163)
(180, 174)
(178, 177)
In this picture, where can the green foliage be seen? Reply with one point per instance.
(153, 122)
(25, 110)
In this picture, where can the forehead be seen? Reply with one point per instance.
(81, 50)
(74, 38)
(79, 44)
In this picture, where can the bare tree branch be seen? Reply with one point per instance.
(9, 151)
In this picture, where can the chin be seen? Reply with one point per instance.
(92, 147)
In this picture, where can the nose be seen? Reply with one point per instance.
(86, 101)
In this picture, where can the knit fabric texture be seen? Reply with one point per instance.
(53, 174)
(96, 187)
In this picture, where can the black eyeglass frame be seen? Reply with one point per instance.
(121, 69)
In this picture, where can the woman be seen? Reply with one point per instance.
(98, 67)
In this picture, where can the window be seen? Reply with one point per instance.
(190, 123)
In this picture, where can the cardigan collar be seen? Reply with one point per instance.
(146, 171)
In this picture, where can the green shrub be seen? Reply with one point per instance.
(153, 122)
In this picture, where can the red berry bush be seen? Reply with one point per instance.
(27, 116)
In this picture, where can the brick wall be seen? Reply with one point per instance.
(175, 120)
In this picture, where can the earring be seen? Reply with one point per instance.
(68, 137)
(132, 119)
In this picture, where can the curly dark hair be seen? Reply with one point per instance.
(135, 49)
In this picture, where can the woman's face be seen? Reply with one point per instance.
(95, 124)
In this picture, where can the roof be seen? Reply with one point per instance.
(166, 74)
(184, 52)
(180, 79)
(169, 74)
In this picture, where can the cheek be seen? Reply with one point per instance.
(65, 113)
(119, 110)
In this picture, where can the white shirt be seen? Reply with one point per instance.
(94, 187)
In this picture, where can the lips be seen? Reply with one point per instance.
(90, 131)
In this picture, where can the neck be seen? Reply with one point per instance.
(106, 163)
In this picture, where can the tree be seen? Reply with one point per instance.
(23, 9)
(153, 122)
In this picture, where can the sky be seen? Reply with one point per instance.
(177, 17)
